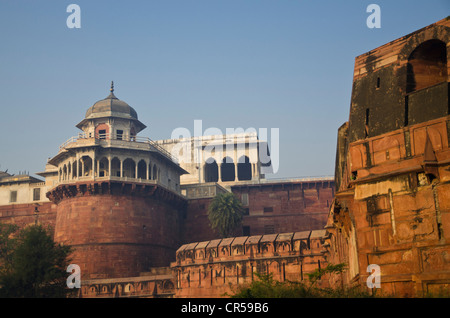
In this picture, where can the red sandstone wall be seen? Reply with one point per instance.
(118, 236)
(393, 208)
(196, 225)
(24, 214)
(218, 267)
(295, 206)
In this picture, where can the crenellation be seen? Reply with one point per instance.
(242, 257)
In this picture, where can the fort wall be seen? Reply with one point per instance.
(218, 267)
(391, 206)
(118, 229)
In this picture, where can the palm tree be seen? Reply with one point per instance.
(225, 213)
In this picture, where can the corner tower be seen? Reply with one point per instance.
(117, 195)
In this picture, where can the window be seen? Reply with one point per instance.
(36, 194)
(268, 209)
(13, 196)
(102, 134)
(244, 199)
(246, 211)
(246, 230)
(119, 134)
(378, 82)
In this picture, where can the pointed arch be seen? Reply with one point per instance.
(142, 169)
(427, 65)
(244, 169)
(211, 170)
(129, 168)
(227, 169)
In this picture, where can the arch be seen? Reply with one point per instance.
(69, 171)
(102, 131)
(64, 173)
(211, 170)
(227, 169)
(168, 285)
(155, 173)
(93, 289)
(244, 168)
(129, 168)
(103, 167)
(87, 164)
(129, 288)
(142, 169)
(74, 170)
(115, 167)
(427, 65)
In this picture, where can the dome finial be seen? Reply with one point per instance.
(112, 87)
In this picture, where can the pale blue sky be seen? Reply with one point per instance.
(284, 64)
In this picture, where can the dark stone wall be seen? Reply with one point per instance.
(378, 102)
(341, 155)
(394, 85)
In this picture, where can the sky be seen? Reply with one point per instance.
(262, 64)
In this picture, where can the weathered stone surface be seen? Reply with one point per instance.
(392, 201)
(288, 256)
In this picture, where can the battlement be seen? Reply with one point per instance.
(212, 268)
(256, 246)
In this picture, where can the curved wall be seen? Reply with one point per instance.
(118, 235)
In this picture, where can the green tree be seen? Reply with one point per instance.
(7, 246)
(38, 266)
(225, 213)
(265, 286)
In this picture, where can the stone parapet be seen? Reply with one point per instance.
(217, 267)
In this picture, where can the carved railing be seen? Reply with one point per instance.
(119, 137)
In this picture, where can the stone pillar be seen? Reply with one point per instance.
(121, 168)
(148, 174)
(94, 166)
(78, 167)
(136, 164)
(219, 168)
(236, 172)
(109, 166)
